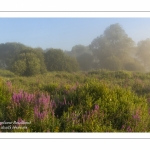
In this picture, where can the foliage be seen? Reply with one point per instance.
(114, 49)
(8, 52)
(143, 52)
(26, 63)
(6, 73)
(85, 61)
(115, 97)
(95, 101)
(56, 60)
(5, 97)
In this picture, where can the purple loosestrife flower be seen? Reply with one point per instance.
(136, 117)
(129, 129)
(28, 97)
(32, 96)
(20, 120)
(15, 98)
(38, 114)
(20, 95)
(25, 95)
(50, 105)
(41, 115)
(45, 102)
(9, 85)
(96, 107)
(40, 100)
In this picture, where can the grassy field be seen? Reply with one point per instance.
(94, 101)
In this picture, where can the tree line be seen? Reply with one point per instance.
(27, 61)
(113, 50)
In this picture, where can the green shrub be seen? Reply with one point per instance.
(100, 102)
(5, 97)
(6, 73)
(121, 108)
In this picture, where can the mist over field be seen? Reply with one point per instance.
(100, 87)
(113, 50)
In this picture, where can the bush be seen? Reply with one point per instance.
(5, 97)
(6, 73)
(97, 107)
(61, 104)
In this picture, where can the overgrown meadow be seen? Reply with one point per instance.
(94, 101)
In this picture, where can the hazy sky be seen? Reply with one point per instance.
(65, 33)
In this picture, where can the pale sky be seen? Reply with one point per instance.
(64, 33)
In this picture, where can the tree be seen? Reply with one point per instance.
(26, 63)
(40, 54)
(56, 60)
(85, 61)
(8, 51)
(71, 64)
(134, 65)
(83, 55)
(143, 53)
(111, 49)
(78, 50)
(19, 67)
(112, 63)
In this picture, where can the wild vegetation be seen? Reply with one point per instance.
(94, 101)
(103, 87)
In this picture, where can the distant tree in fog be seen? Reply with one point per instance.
(57, 60)
(143, 53)
(85, 61)
(113, 49)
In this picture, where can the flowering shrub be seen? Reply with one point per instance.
(114, 108)
(91, 105)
